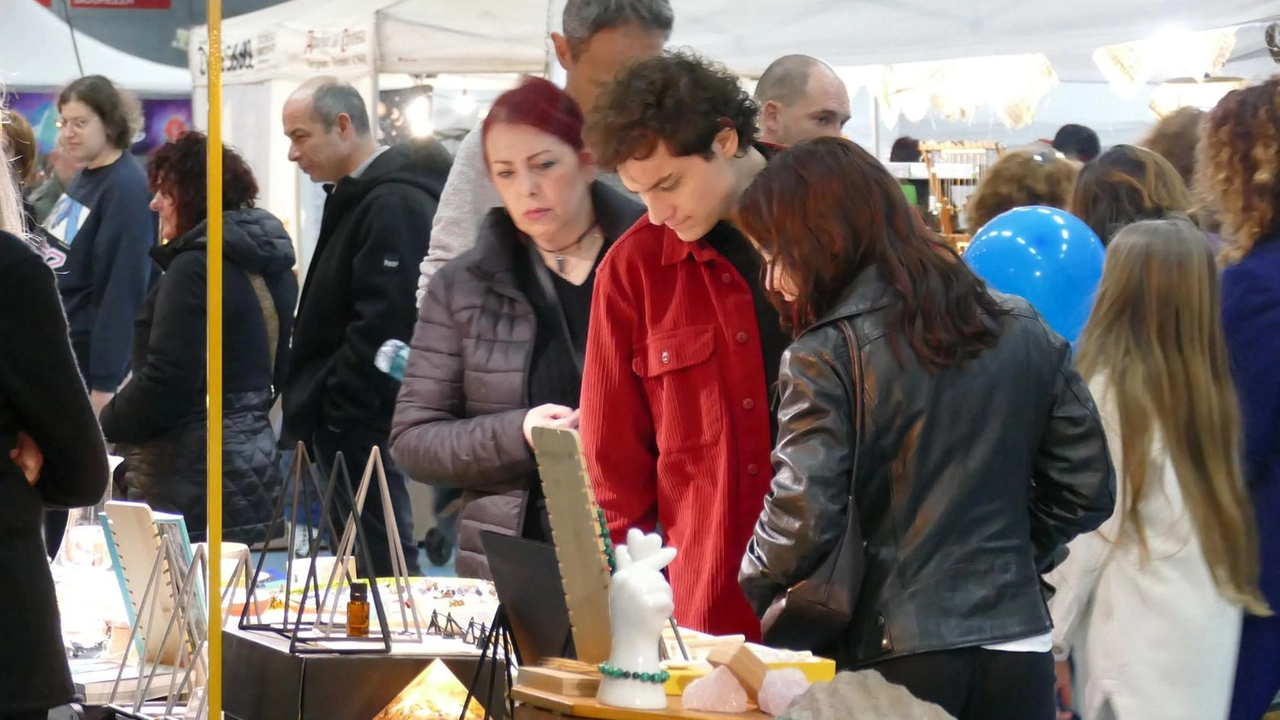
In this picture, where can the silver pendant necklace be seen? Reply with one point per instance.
(559, 254)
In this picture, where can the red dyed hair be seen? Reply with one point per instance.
(539, 104)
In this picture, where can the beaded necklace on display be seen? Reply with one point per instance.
(608, 542)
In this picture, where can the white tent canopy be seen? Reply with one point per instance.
(266, 54)
(36, 53)
(303, 37)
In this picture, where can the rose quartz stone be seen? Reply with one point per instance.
(718, 692)
(780, 689)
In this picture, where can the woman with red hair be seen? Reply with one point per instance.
(502, 330)
(158, 419)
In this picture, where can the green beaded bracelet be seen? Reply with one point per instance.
(658, 678)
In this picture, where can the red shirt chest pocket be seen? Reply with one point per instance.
(682, 381)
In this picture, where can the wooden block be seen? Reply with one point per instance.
(559, 682)
(561, 706)
(744, 664)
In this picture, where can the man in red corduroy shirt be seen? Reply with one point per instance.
(684, 345)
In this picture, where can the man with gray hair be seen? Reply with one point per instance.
(599, 36)
(800, 98)
(357, 295)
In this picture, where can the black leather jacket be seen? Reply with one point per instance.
(969, 482)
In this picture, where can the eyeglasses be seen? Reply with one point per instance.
(78, 124)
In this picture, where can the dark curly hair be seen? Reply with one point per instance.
(120, 111)
(178, 169)
(1239, 165)
(1124, 185)
(678, 99)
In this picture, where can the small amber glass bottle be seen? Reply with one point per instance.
(358, 611)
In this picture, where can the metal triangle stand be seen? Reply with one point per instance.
(309, 640)
(498, 641)
(189, 618)
(306, 489)
(408, 608)
(297, 629)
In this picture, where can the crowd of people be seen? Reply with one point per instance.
(763, 345)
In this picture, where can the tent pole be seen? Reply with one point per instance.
(875, 123)
(214, 490)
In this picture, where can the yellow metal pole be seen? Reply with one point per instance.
(214, 687)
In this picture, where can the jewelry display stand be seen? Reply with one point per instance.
(186, 624)
(497, 654)
(408, 609)
(302, 638)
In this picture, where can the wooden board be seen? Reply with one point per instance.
(559, 682)
(591, 708)
(584, 571)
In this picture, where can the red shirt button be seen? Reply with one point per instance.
(742, 337)
(753, 469)
(726, 278)
(748, 404)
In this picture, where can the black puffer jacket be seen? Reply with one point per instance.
(359, 293)
(460, 415)
(969, 481)
(158, 419)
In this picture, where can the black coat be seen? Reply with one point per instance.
(159, 417)
(43, 395)
(459, 422)
(969, 481)
(360, 292)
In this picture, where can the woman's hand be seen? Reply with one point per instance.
(27, 456)
(556, 416)
(1062, 689)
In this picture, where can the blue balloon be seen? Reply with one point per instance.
(1045, 255)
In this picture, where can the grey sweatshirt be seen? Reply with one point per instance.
(467, 197)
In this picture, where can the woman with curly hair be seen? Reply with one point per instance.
(158, 419)
(1019, 179)
(1239, 166)
(1126, 184)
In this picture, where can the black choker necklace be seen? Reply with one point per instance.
(559, 254)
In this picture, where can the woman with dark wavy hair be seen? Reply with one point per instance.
(1124, 185)
(1239, 167)
(947, 418)
(158, 419)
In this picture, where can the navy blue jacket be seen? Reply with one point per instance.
(1251, 319)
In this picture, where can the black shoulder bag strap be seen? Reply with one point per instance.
(815, 613)
(549, 290)
(270, 318)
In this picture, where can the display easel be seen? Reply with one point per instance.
(301, 635)
(186, 625)
(400, 567)
(580, 549)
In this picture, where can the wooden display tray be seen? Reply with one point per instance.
(538, 705)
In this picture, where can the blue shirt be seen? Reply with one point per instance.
(102, 233)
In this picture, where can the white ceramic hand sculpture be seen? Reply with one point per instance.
(640, 602)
